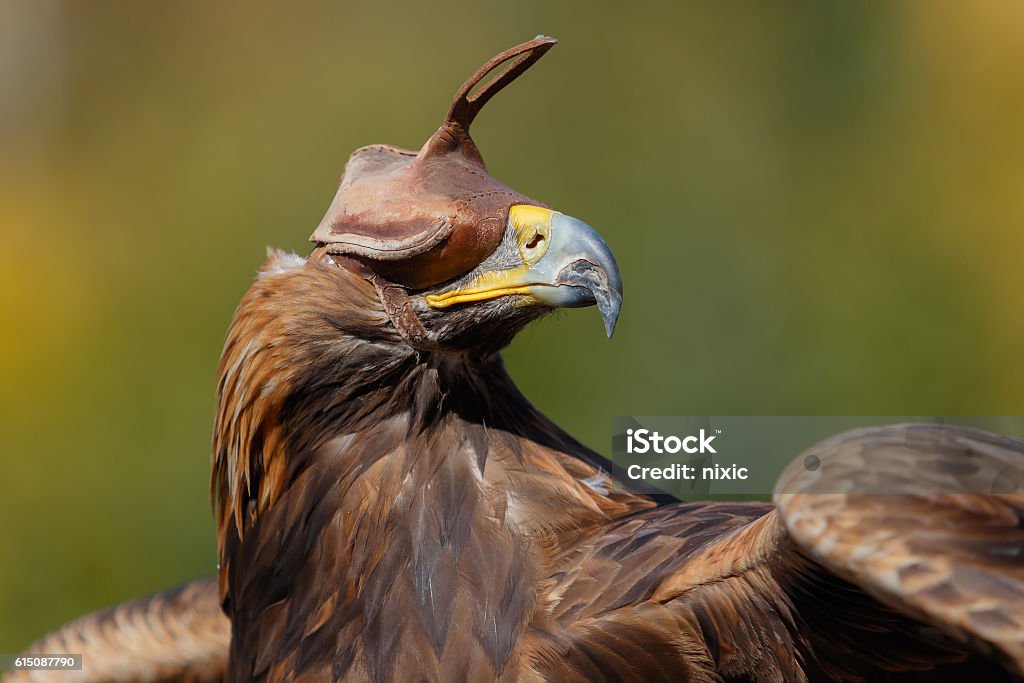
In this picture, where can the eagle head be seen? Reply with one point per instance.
(459, 259)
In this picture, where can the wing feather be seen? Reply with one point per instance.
(928, 519)
(177, 635)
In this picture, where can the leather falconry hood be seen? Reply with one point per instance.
(421, 218)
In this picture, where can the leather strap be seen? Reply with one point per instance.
(398, 306)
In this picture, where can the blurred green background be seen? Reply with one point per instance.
(818, 208)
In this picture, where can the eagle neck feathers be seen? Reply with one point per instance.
(361, 486)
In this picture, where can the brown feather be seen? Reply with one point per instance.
(178, 635)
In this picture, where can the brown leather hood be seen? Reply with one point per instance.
(421, 218)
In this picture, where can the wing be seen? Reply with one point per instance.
(739, 591)
(605, 622)
(928, 519)
(178, 635)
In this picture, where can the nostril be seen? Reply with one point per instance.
(535, 241)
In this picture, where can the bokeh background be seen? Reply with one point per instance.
(818, 208)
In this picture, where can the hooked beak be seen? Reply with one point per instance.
(566, 264)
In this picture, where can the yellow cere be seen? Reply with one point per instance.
(532, 225)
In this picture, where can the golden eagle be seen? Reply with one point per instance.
(390, 507)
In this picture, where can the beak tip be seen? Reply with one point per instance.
(609, 308)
